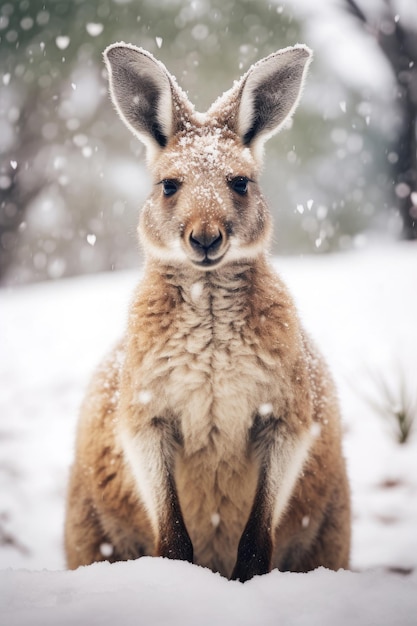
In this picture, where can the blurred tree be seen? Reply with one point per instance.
(72, 177)
(69, 178)
(397, 39)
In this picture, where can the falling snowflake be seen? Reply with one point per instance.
(62, 42)
(94, 29)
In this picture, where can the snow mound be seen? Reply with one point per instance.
(159, 591)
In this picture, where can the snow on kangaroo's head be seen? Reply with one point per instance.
(206, 208)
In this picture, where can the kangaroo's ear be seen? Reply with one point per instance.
(266, 96)
(143, 93)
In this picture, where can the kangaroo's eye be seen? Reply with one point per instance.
(170, 187)
(240, 185)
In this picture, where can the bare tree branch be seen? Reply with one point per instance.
(399, 45)
(355, 10)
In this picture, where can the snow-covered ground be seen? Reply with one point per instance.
(361, 308)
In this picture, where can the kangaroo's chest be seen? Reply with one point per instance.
(214, 379)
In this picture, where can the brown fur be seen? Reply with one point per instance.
(212, 432)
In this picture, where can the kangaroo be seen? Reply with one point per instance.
(211, 433)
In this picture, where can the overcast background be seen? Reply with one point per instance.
(72, 177)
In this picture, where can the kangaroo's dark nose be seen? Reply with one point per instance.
(206, 242)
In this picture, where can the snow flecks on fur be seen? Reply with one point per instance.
(207, 149)
(215, 519)
(115, 397)
(315, 430)
(305, 522)
(196, 291)
(106, 549)
(265, 409)
(144, 396)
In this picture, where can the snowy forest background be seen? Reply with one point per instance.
(72, 177)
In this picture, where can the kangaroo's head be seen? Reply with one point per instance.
(206, 207)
